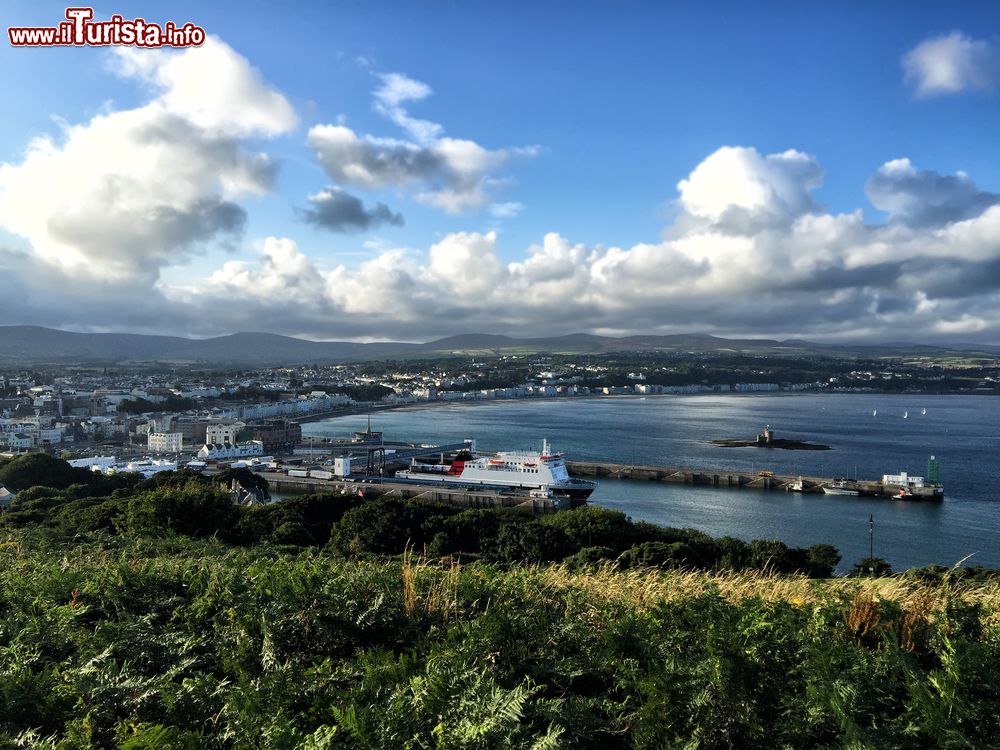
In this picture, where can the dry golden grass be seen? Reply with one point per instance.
(646, 587)
(430, 586)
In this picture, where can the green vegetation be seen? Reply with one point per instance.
(145, 406)
(369, 392)
(157, 614)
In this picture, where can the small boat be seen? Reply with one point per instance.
(906, 415)
(904, 494)
(874, 412)
(840, 487)
(796, 486)
(923, 412)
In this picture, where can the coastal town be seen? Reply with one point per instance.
(218, 414)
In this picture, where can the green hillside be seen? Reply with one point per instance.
(156, 614)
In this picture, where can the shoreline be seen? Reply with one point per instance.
(349, 411)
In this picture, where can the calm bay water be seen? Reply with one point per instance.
(962, 431)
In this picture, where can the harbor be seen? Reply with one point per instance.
(761, 480)
(664, 432)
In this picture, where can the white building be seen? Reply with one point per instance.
(223, 432)
(50, 435)
(19, 441)
(94, 463)
(902, 480)
(240, 450)
(165, 442)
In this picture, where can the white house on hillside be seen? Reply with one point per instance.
(227, 450)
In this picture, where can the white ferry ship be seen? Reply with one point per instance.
(545, 471)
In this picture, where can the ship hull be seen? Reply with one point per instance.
(839, 491)
(577, 489)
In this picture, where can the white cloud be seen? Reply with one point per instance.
(742, 179)
(109, 203)
(923, 197)
(212, 87)
(952, 63)
(130, 191)
(452, 174)
(396, 89)
(803, 272)
(506, 210)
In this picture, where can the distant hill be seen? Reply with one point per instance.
(35, 345)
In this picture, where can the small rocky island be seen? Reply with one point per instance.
(766, 439)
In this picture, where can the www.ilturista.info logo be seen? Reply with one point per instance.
(80, 30)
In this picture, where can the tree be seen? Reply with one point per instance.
(768, 554)
(591, 526)
(193, 508)
(249, 480)
(530, 542)
(822, 560)
(658, 555)
(872, 566)
(381, 527)
(41, 469)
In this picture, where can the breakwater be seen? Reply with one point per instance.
(764, 480)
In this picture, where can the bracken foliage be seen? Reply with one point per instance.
(158, 614)
(180, 643)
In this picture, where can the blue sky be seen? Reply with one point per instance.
(594, 113)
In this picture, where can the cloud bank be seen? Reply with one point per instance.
(751, 254)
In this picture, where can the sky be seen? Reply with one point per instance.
(410, 170)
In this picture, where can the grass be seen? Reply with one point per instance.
(138, 643)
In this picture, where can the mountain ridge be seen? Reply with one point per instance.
(35, 345)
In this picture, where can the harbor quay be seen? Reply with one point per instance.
(385, 488)
(762, 480)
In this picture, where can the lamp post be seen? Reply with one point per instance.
(871, 544)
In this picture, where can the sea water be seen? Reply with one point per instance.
(962, 431)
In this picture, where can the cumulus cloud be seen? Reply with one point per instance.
(951, 63)
(130, 191)
(336, 210)
(799, 271)
(453, 174)
(212, 87)
(738, 182)
(920, 197)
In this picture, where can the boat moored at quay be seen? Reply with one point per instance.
(542, 471)
(841, 487)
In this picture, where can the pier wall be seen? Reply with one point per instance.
(735, 479)
(464, 498)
